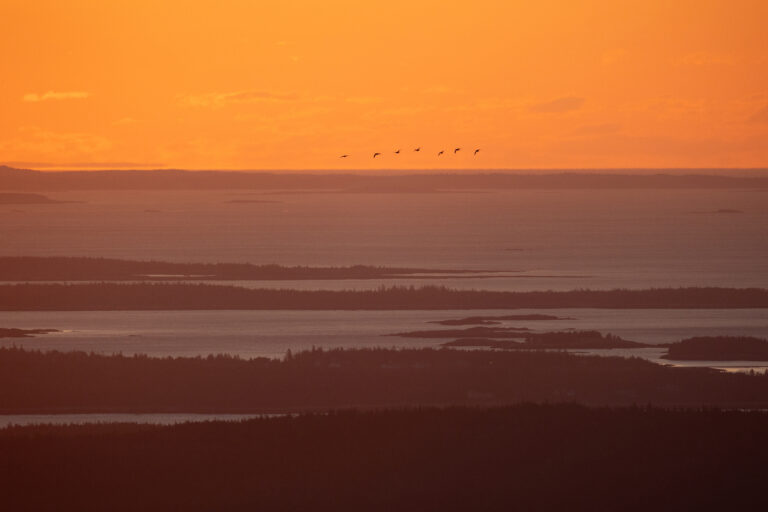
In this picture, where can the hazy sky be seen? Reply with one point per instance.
(294, 84)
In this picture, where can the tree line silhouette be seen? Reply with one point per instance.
(60, 268)
(719, 348)
(160, 296)
(32, 381)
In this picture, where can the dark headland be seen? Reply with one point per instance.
(719, 348)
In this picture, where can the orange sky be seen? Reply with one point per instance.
(294, 84)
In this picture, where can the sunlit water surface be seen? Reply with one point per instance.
(271, 333)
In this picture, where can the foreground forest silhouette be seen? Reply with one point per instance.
(527, 457)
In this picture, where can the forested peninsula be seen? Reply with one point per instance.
(46, 382)
(181, 296)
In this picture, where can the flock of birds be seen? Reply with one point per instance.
(455, 150)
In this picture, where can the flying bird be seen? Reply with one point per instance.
(343, 156)
(455, 150)
(476, 152)
(440, 153)
(376, 154)
(418, 149)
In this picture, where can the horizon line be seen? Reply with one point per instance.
(380, 170)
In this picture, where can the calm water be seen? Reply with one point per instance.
(82, 419)
(602, 239)
(537, 240)
(271, 333)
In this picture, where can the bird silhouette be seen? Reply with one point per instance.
(476, 152)
(418, 149)
(376, 154)
(397, 152)
(440, 153)
(455, 150)
(343, 156)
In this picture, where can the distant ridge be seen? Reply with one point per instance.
(420, 181)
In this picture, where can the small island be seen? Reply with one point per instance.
(495, 320)
(719, 348)
(474, 332)
(23, 333)
(251, 201)
(560, 340)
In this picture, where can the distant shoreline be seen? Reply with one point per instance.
(22, 180)
(178, 296)
(74, 268)
(23, 333)
(16, 199)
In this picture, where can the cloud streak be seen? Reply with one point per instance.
(220, 99)
(53, 95)
(565, 104)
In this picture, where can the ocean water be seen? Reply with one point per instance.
(547, 239)
(532, 239)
